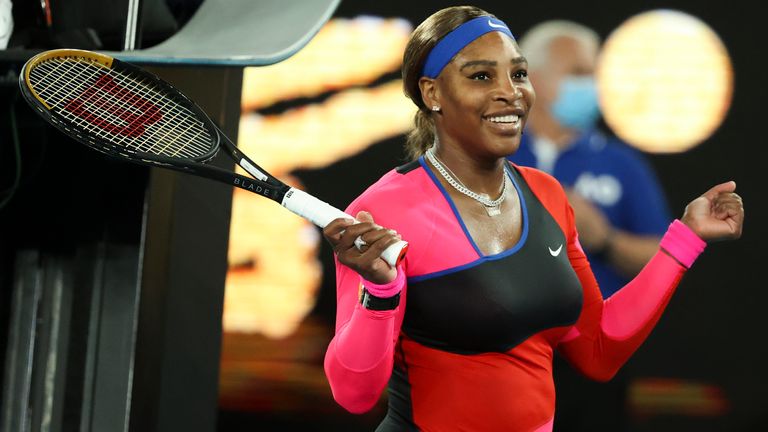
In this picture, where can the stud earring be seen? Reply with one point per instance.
(435, 108)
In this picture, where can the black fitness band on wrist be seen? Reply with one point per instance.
(371, 302)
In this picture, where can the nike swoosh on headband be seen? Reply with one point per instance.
(490, 23)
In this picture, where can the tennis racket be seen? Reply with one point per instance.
(130, 114)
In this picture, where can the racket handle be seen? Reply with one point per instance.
(321, 214)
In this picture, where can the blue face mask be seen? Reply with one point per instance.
(576, 106)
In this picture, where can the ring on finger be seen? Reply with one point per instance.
(359, 243)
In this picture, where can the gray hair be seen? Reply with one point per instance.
(535, 43)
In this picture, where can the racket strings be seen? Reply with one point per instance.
(109, 114)
(106, 113)
(119, 107)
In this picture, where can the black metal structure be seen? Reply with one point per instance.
(114, 290)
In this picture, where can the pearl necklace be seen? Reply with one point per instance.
(492, 207)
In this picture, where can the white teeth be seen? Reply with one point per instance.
(504, 119)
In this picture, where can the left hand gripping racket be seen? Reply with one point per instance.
(130, 114)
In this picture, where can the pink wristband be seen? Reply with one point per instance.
(387, 290)
(682, 243)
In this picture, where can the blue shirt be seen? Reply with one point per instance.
(618, 180)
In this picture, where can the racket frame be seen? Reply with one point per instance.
(262, 183)
(267, 186)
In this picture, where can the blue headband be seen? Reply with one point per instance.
(457, 39)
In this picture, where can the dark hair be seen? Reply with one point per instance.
(422, 40)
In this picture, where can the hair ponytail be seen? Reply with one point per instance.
(421, 137)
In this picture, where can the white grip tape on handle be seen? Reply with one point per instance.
(321, 214)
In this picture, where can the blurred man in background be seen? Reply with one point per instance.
(621, 211)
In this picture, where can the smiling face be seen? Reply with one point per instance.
(484, 97)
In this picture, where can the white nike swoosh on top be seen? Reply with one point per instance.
(555, 252)
(495, 25)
